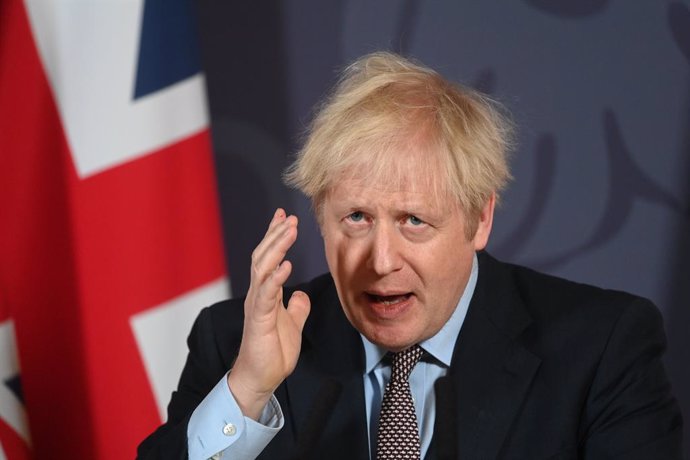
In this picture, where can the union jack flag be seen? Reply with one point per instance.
(110, 237)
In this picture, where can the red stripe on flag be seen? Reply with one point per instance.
(12, 445)
(130, 222)
(79, 257)
(38, 271)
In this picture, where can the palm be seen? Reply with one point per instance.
(272, 339)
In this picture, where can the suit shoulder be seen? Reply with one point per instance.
(550, 297)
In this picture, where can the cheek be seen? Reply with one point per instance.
(435, 261)
(344, 255)
(331, 243)
(341, 264)
(444, 270)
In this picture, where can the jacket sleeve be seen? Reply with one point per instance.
(630, 411)
(205, 366)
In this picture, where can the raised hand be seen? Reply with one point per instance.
(272, 334)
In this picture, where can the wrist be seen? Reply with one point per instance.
(250, 401)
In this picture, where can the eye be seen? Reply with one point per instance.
(356, 216)
(415, 221)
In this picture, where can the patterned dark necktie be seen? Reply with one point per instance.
(398, 435)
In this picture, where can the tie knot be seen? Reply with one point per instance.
(404, 361)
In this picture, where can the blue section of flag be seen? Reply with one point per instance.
(169, 47)
(15, 386)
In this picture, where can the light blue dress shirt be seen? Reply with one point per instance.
(219, 430)
(439, 349)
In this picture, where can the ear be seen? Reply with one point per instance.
(486, 218)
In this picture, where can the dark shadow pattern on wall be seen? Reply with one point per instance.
(627, 183)
(245, 70)
(545, 174)
(569, 8)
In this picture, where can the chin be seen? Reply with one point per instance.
(392, 334)
(389, 339)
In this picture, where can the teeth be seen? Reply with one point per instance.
(391, 300)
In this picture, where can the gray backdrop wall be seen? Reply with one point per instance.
(600, 90)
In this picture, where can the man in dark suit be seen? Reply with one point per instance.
(404, 170)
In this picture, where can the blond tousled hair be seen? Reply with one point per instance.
(386, 110)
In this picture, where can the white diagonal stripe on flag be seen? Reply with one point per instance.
(11, 408)
(159, 331)
(94, 85)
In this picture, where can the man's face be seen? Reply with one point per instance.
(399, 256)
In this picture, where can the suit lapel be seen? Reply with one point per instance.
(325, 391)
(491, 371)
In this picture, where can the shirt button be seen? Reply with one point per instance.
(229, 430)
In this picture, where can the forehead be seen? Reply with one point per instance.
(405, 165)
(407, 188)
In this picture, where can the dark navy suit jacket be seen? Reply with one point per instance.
(543, 369)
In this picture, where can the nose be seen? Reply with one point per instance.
(385, 254)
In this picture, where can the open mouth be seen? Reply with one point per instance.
(389, 300)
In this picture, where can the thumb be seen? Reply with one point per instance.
(298, 308)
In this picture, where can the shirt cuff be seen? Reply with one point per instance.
(217, 426)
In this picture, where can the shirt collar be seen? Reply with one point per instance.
(442, 344)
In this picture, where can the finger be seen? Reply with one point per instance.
(273, 229)
(271, 252)
(278, 217)
(269, 296)
(298, 308)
